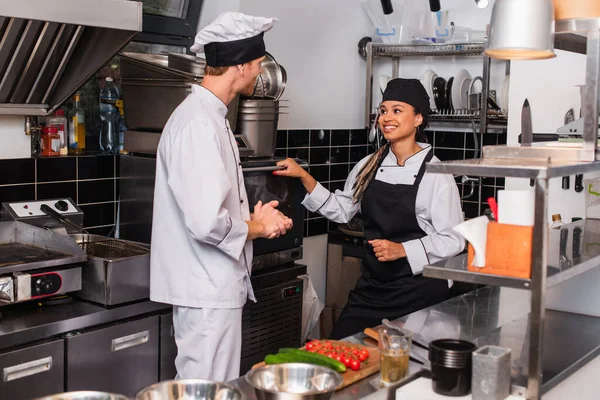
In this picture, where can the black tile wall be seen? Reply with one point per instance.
(332, 154)
(89, 180)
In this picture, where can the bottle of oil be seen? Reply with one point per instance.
(77, 129)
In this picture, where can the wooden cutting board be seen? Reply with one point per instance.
(368, 368)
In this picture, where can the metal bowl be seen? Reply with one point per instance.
(270, 83)
(293, 381)
(85, 395)
(189, 389)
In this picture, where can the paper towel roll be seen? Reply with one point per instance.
(516, 207)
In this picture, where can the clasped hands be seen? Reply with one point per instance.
(274, 222)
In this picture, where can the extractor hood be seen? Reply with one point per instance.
(49, 49)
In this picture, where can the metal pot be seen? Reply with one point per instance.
(189, 389)
(85, 395)
(294, 381)
(187, 63)
(245, 103)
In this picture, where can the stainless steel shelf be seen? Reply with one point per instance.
(455, 268)
(582, 25)
(572, 34)
(515, 167)
(441, 49)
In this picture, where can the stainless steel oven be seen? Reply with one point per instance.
(137, 194)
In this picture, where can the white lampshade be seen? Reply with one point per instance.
(521, 30)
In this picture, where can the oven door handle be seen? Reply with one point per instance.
(261, 169)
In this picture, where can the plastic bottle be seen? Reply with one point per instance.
(109, 114)
(109, 95)
(556, 222)
(77, 129)
(59, 121)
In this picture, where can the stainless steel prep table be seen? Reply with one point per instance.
(491, 315)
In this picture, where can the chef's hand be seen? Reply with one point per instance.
(274, 222)
(293, 170)
(386, 250)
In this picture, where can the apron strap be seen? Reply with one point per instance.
(419, 176)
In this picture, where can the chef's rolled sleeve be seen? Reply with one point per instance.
(200, 185)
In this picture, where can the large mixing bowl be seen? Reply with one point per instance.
(189, 389)
(85, 395)
(294, 381)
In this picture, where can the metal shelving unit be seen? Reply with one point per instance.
(539, 162)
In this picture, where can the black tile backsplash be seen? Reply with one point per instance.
(17, 171)
(98, 214)
(16, 193)
(57, 190)
(56, 177)
(333, 153)
(96, 191)
(96, 167)
(298, 138)
(320, 138)
(56, 169)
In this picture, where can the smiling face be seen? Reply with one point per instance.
(398, 120)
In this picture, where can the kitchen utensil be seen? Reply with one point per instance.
(566, 182)
(493, 206)
(394, 346)
(189, 389)
(270, 81)
(293, 381)
(451, 364)
(188, 63)
(427, 83)
(284, 82)
(526, 128)
(569, 116)
(491, 373)
(85, 395)
(460, 89)
(369, 367)
(579, 183)
(448, 95)
(439, 92)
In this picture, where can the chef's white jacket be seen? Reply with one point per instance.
(200, 256)
(437, 206)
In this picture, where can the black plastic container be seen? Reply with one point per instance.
(451, 366)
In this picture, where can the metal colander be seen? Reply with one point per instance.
(112, 249)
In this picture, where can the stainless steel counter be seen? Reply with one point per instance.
(490, 315)
(30, 323)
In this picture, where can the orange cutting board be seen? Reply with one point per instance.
(367, 368)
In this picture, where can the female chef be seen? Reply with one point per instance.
(408, 214)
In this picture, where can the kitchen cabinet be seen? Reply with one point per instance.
(168, 348)
(32, 372)
(121, 358)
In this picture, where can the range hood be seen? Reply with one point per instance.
(49, 49)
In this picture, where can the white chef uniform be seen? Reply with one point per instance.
(201, 258)
(437, 206)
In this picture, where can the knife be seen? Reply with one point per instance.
(526, 129)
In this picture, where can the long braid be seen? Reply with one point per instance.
(368, 172)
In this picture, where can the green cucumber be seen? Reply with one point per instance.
(314, 358)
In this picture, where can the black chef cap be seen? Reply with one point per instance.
(234, 52)
(409, 91)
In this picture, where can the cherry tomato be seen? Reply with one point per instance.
(340, 358)
(355, 352)
(310, 346)
(365, 352)
(361, 357)
(321, 351)
(355, 365)
(330, 354)
(347, 361)
(328, 346)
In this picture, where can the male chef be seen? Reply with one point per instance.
(202, 227)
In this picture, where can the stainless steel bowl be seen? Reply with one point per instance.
(189, 389)
(294, 381)
(85, 395)
(270, 83)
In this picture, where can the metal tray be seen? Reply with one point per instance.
(24, 247)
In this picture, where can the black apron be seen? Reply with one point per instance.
(388, 289)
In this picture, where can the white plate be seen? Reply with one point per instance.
(504, 94)
(460, 87)
(427, 83)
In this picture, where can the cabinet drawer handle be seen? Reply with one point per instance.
(128, 341)
(26, 369)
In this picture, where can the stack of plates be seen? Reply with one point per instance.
(447, 95)
(504, 94)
